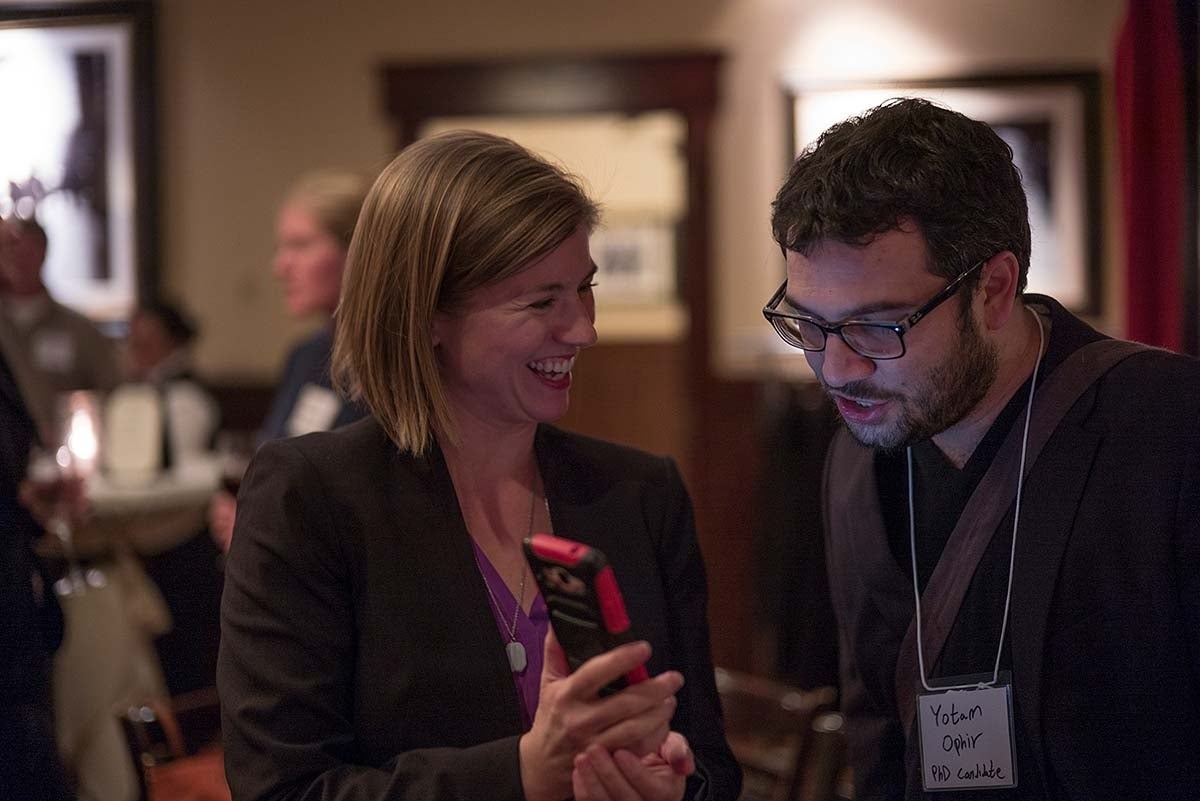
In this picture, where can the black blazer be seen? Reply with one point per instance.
(1105, 619)
(359, 656)
(31, 625)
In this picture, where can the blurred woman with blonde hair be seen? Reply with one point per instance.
(382, 638)
(312, 235)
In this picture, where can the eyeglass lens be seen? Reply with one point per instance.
(873, 340)
(868, 340)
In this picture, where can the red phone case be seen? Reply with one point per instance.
(585, 604)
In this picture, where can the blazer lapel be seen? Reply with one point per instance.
(451, 554)
(867, 555)
(872, 596)
(573, 511)
(1052, 494)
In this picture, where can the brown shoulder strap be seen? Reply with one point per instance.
(988, 504)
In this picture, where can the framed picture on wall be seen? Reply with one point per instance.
(1052, 123)
(77, 147)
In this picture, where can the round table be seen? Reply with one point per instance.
(113, 612)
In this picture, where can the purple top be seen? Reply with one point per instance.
(531, 631)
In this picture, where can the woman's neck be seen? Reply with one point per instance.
(494, 475)
(491, 454)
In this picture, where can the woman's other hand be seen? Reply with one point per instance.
(572, 716)
(222, 510)
(622, 776)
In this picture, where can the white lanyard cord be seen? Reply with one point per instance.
(912, 535)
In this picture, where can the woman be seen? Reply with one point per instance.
(312, 234)
(376, 581)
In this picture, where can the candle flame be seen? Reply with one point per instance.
(81, 438)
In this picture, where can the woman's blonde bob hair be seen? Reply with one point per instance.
(450, 214)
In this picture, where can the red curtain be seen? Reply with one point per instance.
(1151, 124)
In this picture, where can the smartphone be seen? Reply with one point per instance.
(584, 602)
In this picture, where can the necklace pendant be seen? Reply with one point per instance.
(516, 656)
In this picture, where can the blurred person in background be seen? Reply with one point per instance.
(312, 234)
(158, 352)
(187, 573)
(61, 344)
(382, 637)
(31, 625)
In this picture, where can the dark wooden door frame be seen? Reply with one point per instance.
(685, 83)
(722, 449)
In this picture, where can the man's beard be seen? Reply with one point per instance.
(949, 390)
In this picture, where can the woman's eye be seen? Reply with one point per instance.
(545, 303)
(586, 287)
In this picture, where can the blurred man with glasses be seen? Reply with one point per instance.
(1013, 507)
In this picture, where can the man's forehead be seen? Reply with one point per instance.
(839, 281)
(901, 250)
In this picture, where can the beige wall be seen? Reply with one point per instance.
(782, 43)
(255, 91)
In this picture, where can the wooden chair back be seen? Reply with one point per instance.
(174, 744)
(769, 726)
(825, 774)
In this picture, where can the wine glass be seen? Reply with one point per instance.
(58, 476)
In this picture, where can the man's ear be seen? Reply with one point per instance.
(998, 289)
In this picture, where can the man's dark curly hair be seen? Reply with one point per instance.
(908, 160)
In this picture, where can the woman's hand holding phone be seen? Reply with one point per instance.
(572, 716)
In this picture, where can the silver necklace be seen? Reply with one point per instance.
(517, 658)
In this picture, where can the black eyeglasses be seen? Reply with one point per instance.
(870, 338)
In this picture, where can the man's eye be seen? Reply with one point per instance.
(545, 303)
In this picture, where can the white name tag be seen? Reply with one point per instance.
(315, 410)
(967, 739)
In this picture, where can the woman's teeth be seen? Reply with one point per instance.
(552, 368)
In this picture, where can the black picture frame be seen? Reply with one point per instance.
(108, 168)
(1052, 119)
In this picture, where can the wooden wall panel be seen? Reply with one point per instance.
(635, 394)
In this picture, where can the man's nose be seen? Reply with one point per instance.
(839, 364)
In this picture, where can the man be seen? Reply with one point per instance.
(62, 345)
(1063, 597)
